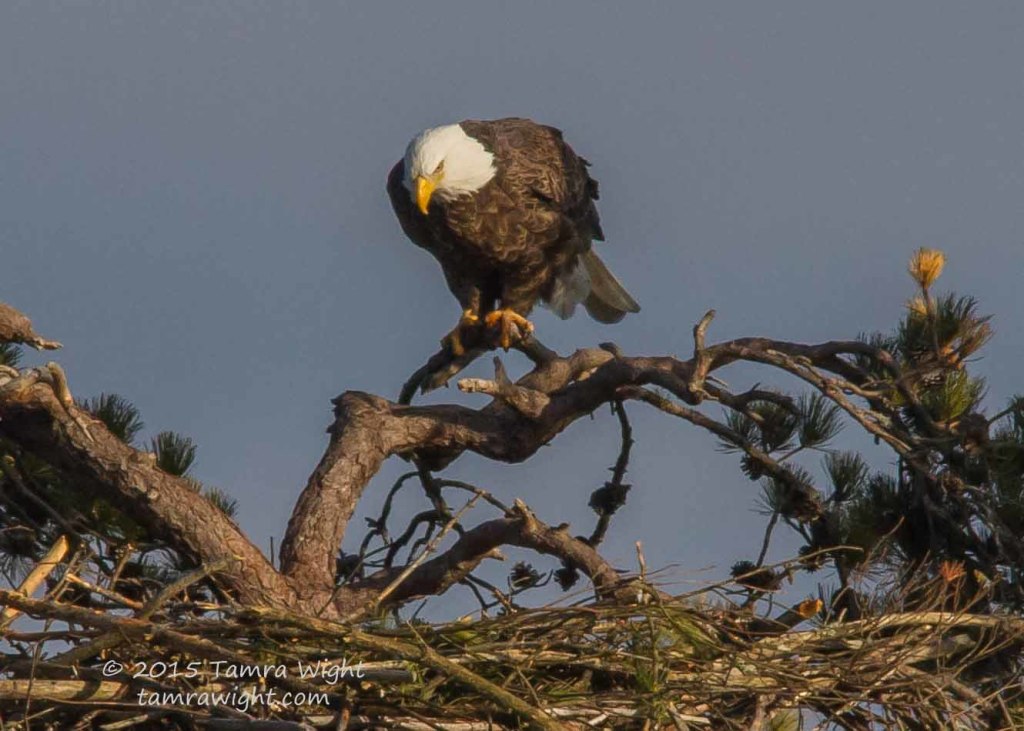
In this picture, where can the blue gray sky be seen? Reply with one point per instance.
(192, 200)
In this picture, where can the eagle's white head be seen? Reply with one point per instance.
(446, 162)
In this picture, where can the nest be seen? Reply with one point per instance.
(691, 662)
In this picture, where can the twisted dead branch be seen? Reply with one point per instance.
(368, 429)
(632, 653)
(16, 328)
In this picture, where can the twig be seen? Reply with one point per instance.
(528, 402)
(767, 538)
(701, 358)
(37, 576)
(390, 588)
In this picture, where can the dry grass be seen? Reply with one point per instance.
(692, 662)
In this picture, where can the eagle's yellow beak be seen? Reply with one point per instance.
(424, 189)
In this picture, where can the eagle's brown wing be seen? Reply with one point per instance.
(460, 275)
(526, 235)
(537, 167)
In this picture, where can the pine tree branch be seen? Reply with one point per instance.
(368, 429)
(33, 416)
(520, 528)
(17, 328)
(39, 573)
(36, 413)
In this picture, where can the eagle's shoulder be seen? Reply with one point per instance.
(538, 168)
(527, 156)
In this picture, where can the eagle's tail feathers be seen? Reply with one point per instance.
(570, 289)
(608, 301)
(601, 312)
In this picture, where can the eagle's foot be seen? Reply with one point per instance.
(506, 319)
(453, 339)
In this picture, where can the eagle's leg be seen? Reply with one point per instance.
(506, 318)
(453, 339)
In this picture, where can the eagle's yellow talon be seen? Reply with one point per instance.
(506, 319)
(454, 339)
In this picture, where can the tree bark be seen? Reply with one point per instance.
(36, 412)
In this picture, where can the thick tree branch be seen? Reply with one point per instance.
(36, 412)
(38, 575)
(527, 401)
(520, 528)
(525, 416)
(32, 415)
(16, 328)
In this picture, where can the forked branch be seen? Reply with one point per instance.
(524, 416)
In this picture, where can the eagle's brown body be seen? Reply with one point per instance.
(518, 238)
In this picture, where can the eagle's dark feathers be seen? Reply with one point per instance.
(525, 235)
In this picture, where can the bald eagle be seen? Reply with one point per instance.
(507, 208)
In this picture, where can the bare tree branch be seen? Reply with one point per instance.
(36, 412)
(17, 328)
(32, 415)
(520, 528)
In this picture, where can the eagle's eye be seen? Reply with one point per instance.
(439, 170)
